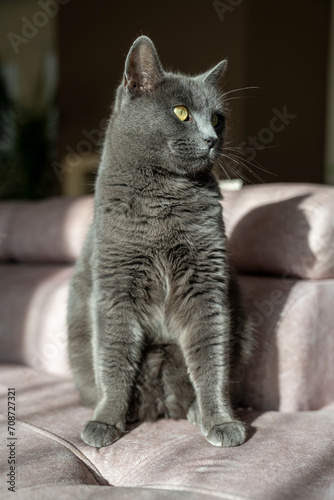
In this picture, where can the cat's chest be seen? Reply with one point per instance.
(178, 272)
(155, 316)
(159, 247)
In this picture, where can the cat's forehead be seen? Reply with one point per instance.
(193, 93)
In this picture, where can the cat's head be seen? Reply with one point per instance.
(168, 119)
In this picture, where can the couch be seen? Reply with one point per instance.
(281, 240)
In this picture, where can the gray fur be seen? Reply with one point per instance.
(155, 322)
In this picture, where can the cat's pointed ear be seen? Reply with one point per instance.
(143, 70)
(213, 76)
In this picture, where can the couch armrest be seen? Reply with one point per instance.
(282, 229)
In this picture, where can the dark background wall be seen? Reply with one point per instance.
(280, 46)
(287, 53)
(95, 37)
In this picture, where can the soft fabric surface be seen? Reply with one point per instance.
(51, 230)
(282, 229)
(293, 365)
(273, 228)
(33, 316)
(287, 455)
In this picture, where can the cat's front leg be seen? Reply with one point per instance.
(117, 344)
(205, 342)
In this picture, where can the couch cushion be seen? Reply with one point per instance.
(287, 455)
(292, 367)
(282, 229)
(51, 230)
(33, 316)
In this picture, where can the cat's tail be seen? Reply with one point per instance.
(162, 387)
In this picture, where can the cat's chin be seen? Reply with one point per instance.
(204, 162)
(199, 160)
(193, 165)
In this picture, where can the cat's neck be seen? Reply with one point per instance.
(144, 174)
(143, 177)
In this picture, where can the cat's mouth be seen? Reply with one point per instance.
(207, 158)
(191, 158)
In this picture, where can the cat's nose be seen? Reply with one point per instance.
(211, 141)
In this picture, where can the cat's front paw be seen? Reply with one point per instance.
(99, 434)
(227, 434)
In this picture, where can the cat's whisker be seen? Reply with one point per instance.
(239, 174)
(250, 149)
(237, 97)
(225, 171)
(242, 176)
(242, 164)
(241, 88)
(245, 152)
(250, 161)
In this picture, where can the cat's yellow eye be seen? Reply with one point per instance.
(181, 112)
(214, 120)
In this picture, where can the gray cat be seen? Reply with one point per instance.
(156, 327)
